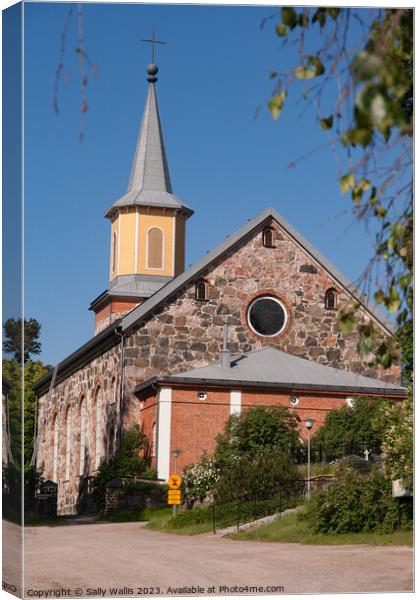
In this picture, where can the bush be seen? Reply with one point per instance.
(256, 429)
(358, 424)
(126, 463)
(355, 502)
(200, 478)
(257, 475)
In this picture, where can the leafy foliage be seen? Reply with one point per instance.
(256, 429)
(257, 475)
(373, 85)
(397, 420)
(32, 371)
(354, 503)
(359, 424)
(200, 478)
(13, 342)
(127, 462)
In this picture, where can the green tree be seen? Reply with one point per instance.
(13, 342)
(127, 462)
(33, 370)
(362, 96)
(257, 475)
(256, 429)
(397, 419)
(358, 424)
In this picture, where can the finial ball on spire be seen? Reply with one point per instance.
(152, 69)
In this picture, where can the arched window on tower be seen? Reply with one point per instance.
(99, 446)
(201, 290)
(82, 462)
(331, 299)
(68, 443)
(268, 237)
(55, 449)
(114, 252)
(155, 248)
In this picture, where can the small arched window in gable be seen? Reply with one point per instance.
(201, 290)
(155, 248)
(268, 237)
(331, 299)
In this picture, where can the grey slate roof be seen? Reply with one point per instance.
(142, 286)
(269, 213)
(150, 183)
(271, 367)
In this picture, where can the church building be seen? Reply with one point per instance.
(177, 351)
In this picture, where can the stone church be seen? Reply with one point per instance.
(177, 351)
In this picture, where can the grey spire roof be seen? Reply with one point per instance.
(270, 367)
(150, 182)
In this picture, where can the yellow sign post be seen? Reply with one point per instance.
(174, 492)
(174, 482)
(174, 497)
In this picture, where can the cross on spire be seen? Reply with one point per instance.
(153, 41)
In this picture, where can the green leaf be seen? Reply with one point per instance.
(289, 16)
(304, 73)
(365, 345)
(347, 182)
(276, 104)
(327, 122)
(347, 322)
(393, 302)
(380, 297)
(281, 30)
(380, 211)
(303, 20)
(317, 64)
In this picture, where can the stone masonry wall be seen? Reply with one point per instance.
(185, 333)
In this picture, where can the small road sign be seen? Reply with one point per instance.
(174, 482)
(174, 497)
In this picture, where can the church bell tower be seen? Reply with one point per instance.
(147, 224)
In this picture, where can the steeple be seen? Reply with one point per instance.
(147, 223)
(150, 182)
(150, 167)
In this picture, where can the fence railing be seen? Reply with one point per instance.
(252, 506)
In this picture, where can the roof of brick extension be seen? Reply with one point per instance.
(150, 183)
(141, 312)
(266, 215)
(272, 368)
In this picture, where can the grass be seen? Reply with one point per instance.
(291, 529)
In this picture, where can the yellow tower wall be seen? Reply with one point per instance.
(132, 226)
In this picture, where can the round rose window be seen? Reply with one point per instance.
(267, 316)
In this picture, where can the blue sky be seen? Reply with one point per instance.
(224, 163)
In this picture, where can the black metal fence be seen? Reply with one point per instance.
(252, 506)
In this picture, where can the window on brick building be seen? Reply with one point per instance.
(68, 443)
(268, 237)
(99, 442)
(82, 461)
(201, 292)
(55, 449)
(331, 299)
(155, 248)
